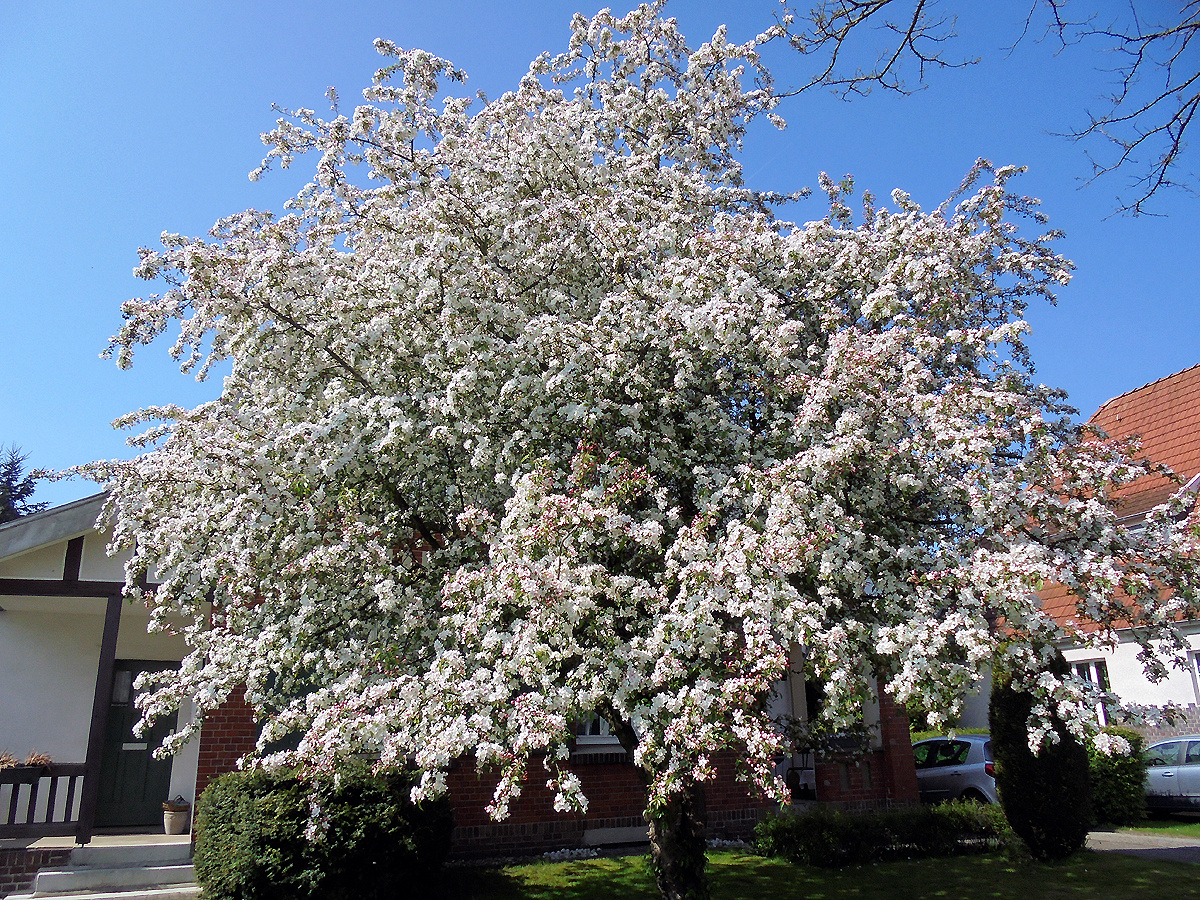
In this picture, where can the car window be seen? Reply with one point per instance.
(987, 752)
(957, 753)
(925, 754)
(1164, 754)
(1193, 753)
(950, 753)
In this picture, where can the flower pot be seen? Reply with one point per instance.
(176, 817)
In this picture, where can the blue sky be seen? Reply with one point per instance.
(124, 119)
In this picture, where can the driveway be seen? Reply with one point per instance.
(1150, 846)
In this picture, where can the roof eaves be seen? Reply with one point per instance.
(51, 526)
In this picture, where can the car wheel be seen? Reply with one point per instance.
(974, 797)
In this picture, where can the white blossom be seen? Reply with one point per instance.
(535, 412)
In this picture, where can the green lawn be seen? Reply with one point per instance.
(1171, 825)
(742, 876)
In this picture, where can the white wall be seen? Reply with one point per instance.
(183, 768)
(48, 666)
(49, 653)
(96, 564)
(44, 562)
(1129, 681)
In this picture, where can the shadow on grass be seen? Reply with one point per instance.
(593, 879)
(741, 876)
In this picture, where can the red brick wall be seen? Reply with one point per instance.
(885, 777)
(18, 865)
(897, 747)
(228, 733)
(616, 799)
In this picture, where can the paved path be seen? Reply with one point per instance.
(1150, 846)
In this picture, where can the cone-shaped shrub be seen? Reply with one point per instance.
(1045, 795)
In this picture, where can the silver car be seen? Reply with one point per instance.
(1173, 773)
(961, 768)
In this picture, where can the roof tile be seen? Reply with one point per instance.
(1165, 416)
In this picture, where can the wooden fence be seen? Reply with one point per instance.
(41, 801)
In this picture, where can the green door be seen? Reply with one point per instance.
(133, 784)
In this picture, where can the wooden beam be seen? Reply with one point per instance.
(49, 587)
(100, 705)
(73, 559)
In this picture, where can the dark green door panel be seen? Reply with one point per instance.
(133, 784)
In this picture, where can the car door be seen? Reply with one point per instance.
(1187, 779)
(925, 756)
(944, 777)
(1162, 775)
(952, 769)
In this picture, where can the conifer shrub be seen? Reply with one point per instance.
(271, 837)
(1118, 776)
(829, 838)
(1045, 795)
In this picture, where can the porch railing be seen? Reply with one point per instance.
(41, 801)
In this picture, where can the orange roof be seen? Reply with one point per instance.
(1165, 415)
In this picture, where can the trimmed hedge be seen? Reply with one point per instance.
(916, 736)
(259, 838)
(1045, 796)
(1119, 780)
(829, 839)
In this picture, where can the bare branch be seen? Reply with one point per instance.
(914, 36)
(1144, 126)
(1156, 100)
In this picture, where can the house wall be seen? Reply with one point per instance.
(616, 794)
(19, 865)
(45, 562)
(976, 710)
(48, 673)
(884, 777)
(228, 733)
(48, 660)
(95, 564)
(616, 801)
(1129, 682)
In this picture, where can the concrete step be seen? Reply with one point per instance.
(112, 856)
(92, 879)
(174, 892)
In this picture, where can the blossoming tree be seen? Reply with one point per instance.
(536, 412)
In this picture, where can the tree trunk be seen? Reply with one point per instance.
(677, 845)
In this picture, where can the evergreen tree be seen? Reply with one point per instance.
(16, 486)
(1045, 794)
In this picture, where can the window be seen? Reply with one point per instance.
(1164, 754)
(935, 754)
(1095, 672)
(924, 754)
(1193, 753)
(1196, 673)
(592, 731)
(953, 753)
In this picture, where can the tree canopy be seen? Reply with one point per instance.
(16, 486)
(536, 412)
